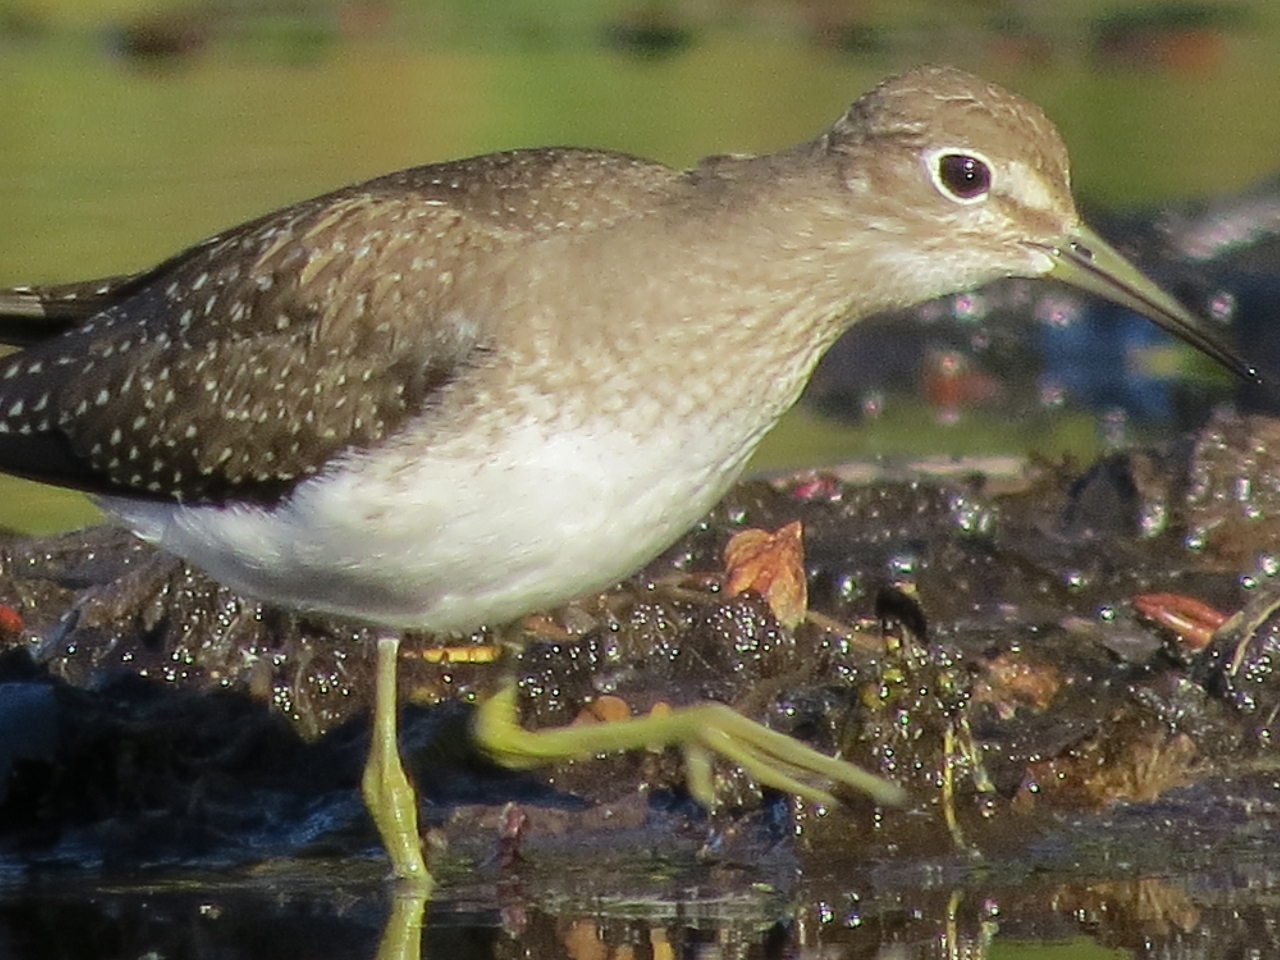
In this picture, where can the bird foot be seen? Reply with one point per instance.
(702, 732)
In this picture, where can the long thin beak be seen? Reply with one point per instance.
(1087, 261)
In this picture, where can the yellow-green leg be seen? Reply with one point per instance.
(771, 758)
(390, 797)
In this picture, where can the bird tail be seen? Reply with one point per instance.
(31, 314)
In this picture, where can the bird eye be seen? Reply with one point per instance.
(963, 177)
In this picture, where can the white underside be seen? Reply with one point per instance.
(447, 545)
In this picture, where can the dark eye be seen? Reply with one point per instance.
(963, 176)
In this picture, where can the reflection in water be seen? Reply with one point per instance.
(402, 937)
(1200, 918)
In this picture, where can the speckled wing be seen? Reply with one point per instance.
(241, 366)
(248, 362)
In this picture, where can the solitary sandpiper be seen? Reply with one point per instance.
(456, 394)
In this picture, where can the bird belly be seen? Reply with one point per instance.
(449, 543)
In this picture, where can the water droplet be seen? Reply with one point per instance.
(931, 312)
(1052, 394)
(1222, 307)
(1057, 310)
(971, 516)
(1115, 429)
(903, 564)
(1153, 518)
(970, 306)
(847, 587)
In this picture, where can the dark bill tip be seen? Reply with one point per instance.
(1087, 261)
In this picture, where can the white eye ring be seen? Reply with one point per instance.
(961, 174)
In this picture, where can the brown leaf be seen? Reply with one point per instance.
(772, 565)
(604, 709)
(1193, 622)
(1014, 680)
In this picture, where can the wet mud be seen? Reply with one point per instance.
(1072, 671)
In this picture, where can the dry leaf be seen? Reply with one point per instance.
(771, 565)
(1014, 680)
(604, 709)
(1193, 622)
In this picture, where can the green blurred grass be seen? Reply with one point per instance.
(108, 166)
(907, 432)
(34, 508)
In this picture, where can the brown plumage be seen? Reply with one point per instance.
(245, 363)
